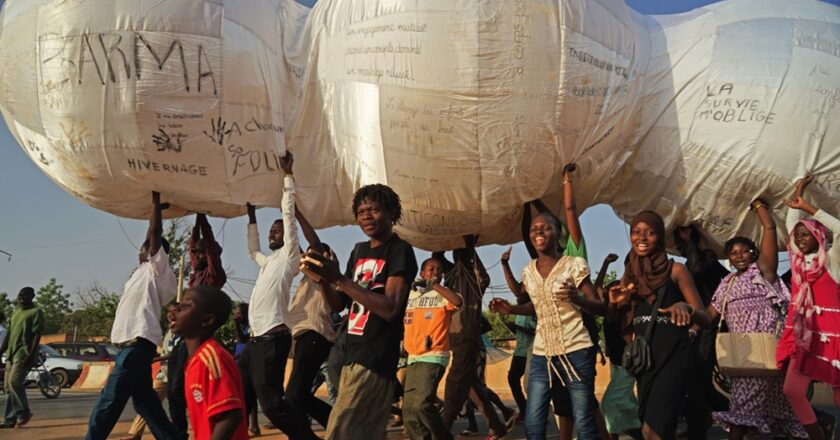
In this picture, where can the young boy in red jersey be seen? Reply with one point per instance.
(212, 385)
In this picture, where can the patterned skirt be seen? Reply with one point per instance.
(760, 404)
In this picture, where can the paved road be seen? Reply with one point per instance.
(66, 418)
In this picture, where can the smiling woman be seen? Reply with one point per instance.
(754, 300)
(657, 294)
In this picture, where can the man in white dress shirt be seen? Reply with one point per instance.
(136, 332)
(263, 362)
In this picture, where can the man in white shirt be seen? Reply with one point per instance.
(136, 332)
(263, 362)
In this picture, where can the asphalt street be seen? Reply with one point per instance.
(66, 418)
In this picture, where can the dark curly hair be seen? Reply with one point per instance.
(727, 247)
(383, 194)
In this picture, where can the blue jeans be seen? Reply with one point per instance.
(131, 377)
(581, 389)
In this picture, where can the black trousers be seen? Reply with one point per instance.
(701, 396)
(463, 379)
(175, 366)
(311, 350)
(263, 366)
(515, 373)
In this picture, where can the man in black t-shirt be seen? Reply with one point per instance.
(375, 287)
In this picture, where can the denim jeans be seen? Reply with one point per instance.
(581, 388)
(131, 377)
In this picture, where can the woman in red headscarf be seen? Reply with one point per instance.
(648, 274)
(810, 344)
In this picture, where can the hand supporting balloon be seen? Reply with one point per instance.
(680, 313)
(252, 213)
(286, 163)
(570, 168)
(684, 233)
(318, 267)
(156, 204)
(801, 184)
(801, 204)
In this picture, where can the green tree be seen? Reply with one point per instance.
(55, 304)
(499, 323)
(96, 314)
(177, 233)
(7, 306)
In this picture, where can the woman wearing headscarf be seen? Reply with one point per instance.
(650, 273)
(753, 300)
(810, 344)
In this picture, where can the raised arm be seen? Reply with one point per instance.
(514, 285)
(213, 251)
(697, 261)
(291, 241)
(254, 236)
(204, 225)
(830, 222)
(447, 265)
(526, 229)
(309, 232)
(768, 259)
(478, 265)
(447, 293)
(196, 231)
(602, 273)
(572, 220)
(155, 232)
(794, 214)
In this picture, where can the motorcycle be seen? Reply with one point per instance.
(48, 383)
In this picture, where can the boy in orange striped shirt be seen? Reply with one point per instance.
(426, 321)
(212, 384)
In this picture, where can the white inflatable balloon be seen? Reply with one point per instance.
(115, 98)
(468, 109)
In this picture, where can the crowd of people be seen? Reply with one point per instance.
(356, 327)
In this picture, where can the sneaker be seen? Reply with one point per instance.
(510, 420)
(22, 421)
